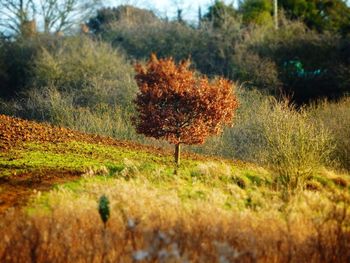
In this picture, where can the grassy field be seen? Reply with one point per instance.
(213, 210)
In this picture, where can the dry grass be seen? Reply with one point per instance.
(154, 224)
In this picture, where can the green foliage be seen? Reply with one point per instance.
(210, 48)
(257, 56)
(260, 57)
(322, 15)
(92, 70)
(16, 64)
(124, 14)
(103, 208)
(257, 12)
(295, 62)
(220, 14)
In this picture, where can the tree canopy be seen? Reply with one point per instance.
(176, 105)
(258, 12)
(332, 15)
(219, 13)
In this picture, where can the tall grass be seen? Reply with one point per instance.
(145, 228)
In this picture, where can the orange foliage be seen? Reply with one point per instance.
(176, 105)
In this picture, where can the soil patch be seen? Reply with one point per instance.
(16, 190)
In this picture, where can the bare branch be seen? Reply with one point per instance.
(52, 15)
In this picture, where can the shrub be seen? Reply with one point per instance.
(293, 60)
(295, 148)
(256, 71)
(211, 49)
(275, 134)
(245, 140)
(92, 70)
(81, 84)
(335, 117)
(49, 104)
(16, 63)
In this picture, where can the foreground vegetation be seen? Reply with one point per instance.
(213, 210)
(161, 221)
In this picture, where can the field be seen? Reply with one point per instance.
(140, 131)
(213, 210)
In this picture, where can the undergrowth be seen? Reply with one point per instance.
(161, 218)
(214, 210)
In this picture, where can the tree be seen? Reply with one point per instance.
(220, 14)
(123, 15)
(51, 15)
(176, 105)
(14, 14)
(332, 15)
(258, 12)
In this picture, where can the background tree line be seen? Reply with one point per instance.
(307, 58)
(82, 77)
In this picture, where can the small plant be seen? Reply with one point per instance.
(176, 105)
(103, 209)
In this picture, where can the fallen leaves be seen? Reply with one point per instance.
(16, 131)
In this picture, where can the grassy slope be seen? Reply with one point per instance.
(208, 210)
(196, 178)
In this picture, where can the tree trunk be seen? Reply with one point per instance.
(177, 155)
(276, 14)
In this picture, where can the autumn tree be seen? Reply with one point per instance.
(176, 105)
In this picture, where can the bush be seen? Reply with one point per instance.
(256, 71)
(335, 117)
(210, 49)
(245, 140)
(81, 84)
(16, 63)
(277, 135)
(58, 108)
(92, 70)
(303, 64)
(295, 147)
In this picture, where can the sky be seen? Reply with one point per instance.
(168, 8)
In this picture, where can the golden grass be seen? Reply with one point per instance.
(152, 223)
